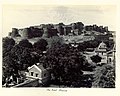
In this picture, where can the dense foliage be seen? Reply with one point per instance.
(41, 44)
(16, 57)
(104, 77)
(55, 41)
(25, 43)
(66, 64)
(7, 45)
(88, 44)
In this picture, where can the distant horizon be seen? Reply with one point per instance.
(21, 16)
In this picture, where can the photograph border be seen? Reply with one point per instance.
(66, 91)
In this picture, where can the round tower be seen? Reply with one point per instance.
(46, 32)
(26, 33)
(14, 32)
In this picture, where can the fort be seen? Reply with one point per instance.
(49, 30)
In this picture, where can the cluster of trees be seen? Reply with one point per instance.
(66, 64)
(40, 44)
(54, 42)
(104, 76)
(18, 57)
(94, 44)
(88, 44)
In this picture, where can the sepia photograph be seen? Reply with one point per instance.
(59, 46)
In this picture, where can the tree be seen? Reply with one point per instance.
(18, 59)
(7, 45)
(8, 64)
(96, 58)
(82, 46)
(8, 67)
(104, 76)
(22, 57)
(25, 43)
(8, 41)
(63, 60)
(54, 41)
(41, 44)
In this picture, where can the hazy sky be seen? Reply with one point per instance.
(20, 16)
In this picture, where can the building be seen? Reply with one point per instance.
(108, 57)
(88, 56)
(38, 72)
(111, 56)
(101, 51)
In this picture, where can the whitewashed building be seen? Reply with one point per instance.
(101, 51)
(38, 72)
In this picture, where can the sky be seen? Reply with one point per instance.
(21, 16)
